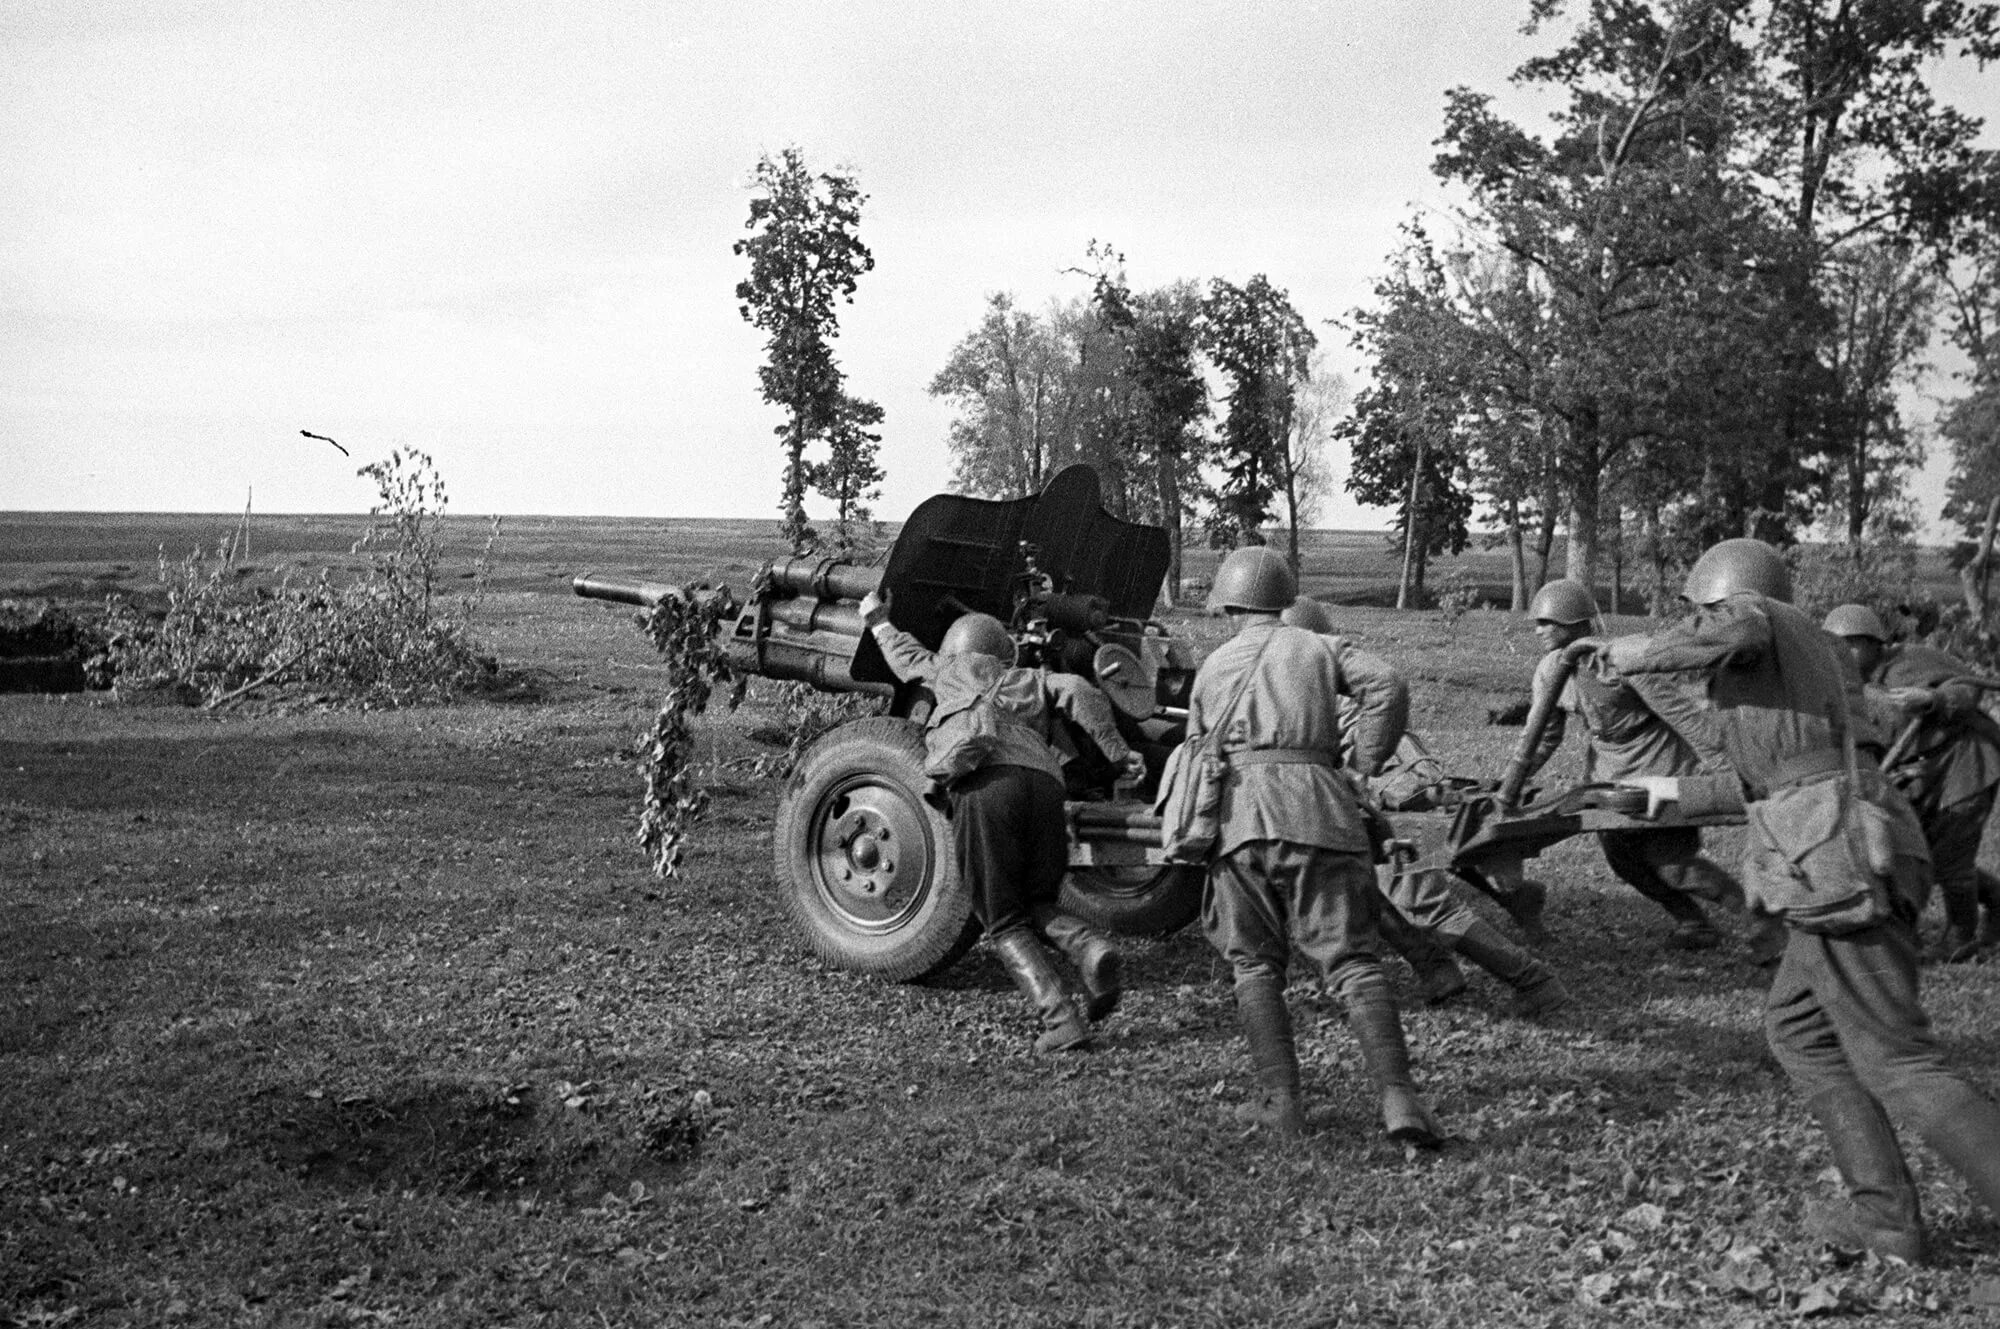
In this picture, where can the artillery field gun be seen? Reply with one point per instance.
(864, 861)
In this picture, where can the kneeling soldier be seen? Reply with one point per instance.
(1427, 921)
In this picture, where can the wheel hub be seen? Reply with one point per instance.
(872, 854)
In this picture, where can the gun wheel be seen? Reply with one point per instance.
(1137, 901)
(865, 864)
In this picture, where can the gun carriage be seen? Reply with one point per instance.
(864, 858)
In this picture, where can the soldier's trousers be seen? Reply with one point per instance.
(1426, 898)
(1267, 896)
(1844, 1010)
(1009, 837)
(1666, 866)
(1953, 833)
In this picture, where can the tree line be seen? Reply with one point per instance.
(1689, 309)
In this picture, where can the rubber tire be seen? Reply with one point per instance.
(1138, 902)
(907, 919)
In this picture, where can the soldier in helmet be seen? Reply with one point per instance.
(1292, 865)
(1834, 850)
(1627, 739)
(1008, 831)
(1949, 767)
(1425, 911)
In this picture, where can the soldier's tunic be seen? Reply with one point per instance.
(1950, 772)
(1627, 739)
(1843, 1008)
(1008, 834)
(1292, 863)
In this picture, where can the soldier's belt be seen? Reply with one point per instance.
(1280, 757)
(1806, 766)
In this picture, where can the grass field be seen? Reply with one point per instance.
(316, 1017)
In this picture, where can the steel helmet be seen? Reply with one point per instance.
(1737, 565)
(1308, 613)
(1855, 621)
(1257, 578)
(1563, 601)
(978, 634)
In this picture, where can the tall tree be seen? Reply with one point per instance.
(806, 258)
(1166, 400)
(1636, 247)
(1263, 347)
(1008, 379)
(852, 473)
(1317, 407)
(1970, 425)
(1405, 432)
(1882, 301)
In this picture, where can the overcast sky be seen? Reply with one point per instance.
(500, 232)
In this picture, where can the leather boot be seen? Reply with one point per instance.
(1965, 1130)
(1098, 963)
(1525, 905)
(1438, 975)
(1525, 899)
(1989, 903)
(1537, 990)
(1879, 1212)
(1267, 1024)
(1371, 1014)
(1034, 973)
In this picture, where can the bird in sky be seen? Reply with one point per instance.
(324, 439)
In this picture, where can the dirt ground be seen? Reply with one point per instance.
(326, 1017)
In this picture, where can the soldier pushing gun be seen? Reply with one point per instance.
(1835, 852)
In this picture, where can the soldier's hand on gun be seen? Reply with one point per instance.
(875, 607)
(1660, 791)
(1132, 769)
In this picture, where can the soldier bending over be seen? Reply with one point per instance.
(1008, 832)
(1426, 916)
(1950, 772)
(1834, 850)
(1625, 739)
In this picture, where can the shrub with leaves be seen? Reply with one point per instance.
(1455, 597)
(1878, 573)
(379, 637)
(683, 628)
(805, 714)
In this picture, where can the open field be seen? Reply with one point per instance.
(339, 1018)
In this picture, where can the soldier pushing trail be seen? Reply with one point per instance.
(1949, 769)
(1427, 921)
(1626, 739)
(1834, 850)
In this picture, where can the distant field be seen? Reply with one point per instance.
(65, 555)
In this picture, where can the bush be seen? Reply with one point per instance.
(1455, 595)
(378, 638)
(1881, 574)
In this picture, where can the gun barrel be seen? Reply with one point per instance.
(819, 616)
(623, 590)
(823, 578)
